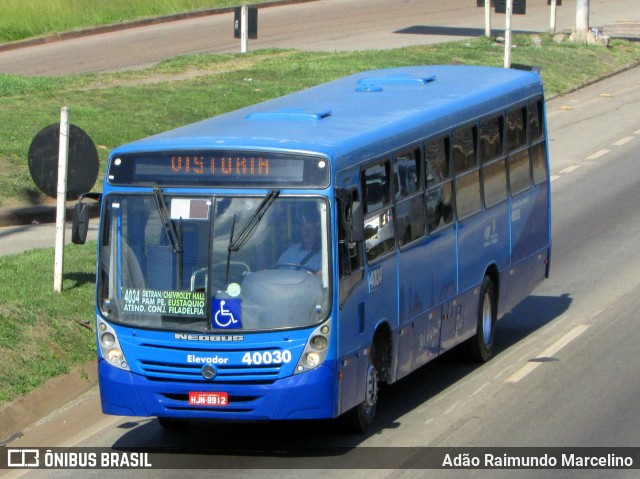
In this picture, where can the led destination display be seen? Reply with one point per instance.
(219, 168)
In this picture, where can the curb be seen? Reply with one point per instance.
(114, 27)
(26, 215)
(39, 403)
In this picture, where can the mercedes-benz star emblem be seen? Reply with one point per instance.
(208, 371)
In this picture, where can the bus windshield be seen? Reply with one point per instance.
(202, 263)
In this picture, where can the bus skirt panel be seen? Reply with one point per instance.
(310, 395)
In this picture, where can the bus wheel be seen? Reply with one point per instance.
(479, 348)
(360, 418)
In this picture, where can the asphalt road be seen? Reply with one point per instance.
(325, 25)
(566, 374)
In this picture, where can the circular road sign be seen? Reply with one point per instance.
(82, 167)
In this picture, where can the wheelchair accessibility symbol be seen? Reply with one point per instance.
(227, 313)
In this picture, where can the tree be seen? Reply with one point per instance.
(582, 21)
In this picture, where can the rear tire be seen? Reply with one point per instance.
(360, 419)
(480, 348)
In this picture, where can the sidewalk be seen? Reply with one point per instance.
(131, 24)
(31, 214)
(30, 227)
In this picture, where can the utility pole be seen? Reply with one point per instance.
(63, 159)
(507, 35)
(487, 18)
(582, 20)
(244, 29)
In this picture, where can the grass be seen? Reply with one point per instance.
(41, 334)
(120, 107)
(20, 19)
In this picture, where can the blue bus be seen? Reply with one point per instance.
(281, 261)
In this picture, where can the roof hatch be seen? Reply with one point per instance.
(376, 84)
(289, 114)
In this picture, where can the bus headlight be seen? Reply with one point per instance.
(315, 350)
(114, 356)
(110, 346)
(319, 343)
(107, 340)
(312, 360)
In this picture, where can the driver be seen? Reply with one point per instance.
(307, 252)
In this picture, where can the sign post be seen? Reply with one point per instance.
(507, 35)
(510, 8)
(63, 153)
(244, 29)
(245, 25)
(63, 163)
(487, 18)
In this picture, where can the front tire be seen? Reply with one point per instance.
(480, 348)
(360, 419)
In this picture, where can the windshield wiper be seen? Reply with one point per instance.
(169, 228)
(248, 229)
(235, 244)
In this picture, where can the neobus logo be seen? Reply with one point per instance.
(202, 337)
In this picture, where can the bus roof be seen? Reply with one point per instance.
(384, 107)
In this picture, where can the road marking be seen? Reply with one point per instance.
(637, 132)
(624, 140)
(105, 423)
(569, 169)
(598, 154)
(480, 389)
(452, 408)
(549, 352)
(554, 177)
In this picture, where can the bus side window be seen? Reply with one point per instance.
(494, 182)
(410, 215)
(518, 162)
(375, 186)
(538, 145)
(539, 160)
(439, 194)
(349, 250)
(467, 186)
(464, 149)
(468, 199)
(491, 139)
(536, 120)
(436, 154)
(519, 176)
(516, 128)
(378, 226)
(379, 234)
(406, 170)
(494, 171)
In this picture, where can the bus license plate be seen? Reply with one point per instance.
(208, 399)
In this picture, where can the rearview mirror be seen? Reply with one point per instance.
(80, 225)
